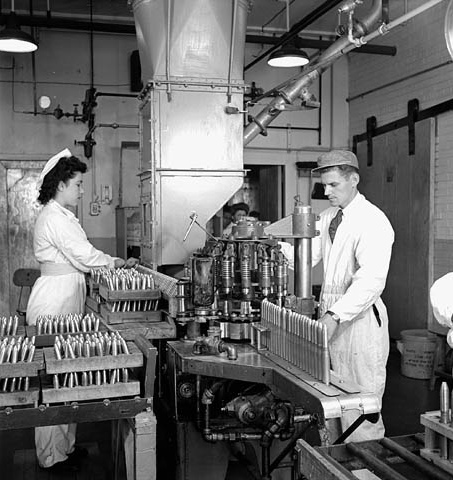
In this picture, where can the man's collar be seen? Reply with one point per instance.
(353, 204)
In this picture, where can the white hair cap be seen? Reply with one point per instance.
(51, 163)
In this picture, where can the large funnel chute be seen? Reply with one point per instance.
(192, 54)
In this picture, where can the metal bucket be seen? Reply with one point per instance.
(417, 348)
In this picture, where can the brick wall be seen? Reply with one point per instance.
(443, 197)
(420, 48)
(382, 86)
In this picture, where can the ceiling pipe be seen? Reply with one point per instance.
(106, 27)
(321, 44)
(71, 24)
(291, 90)
(296, 28)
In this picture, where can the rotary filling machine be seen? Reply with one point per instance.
(250, 363)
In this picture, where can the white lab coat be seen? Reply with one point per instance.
(355, 272)
(64, 252)
(441, 296)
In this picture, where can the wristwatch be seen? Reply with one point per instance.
(334, 316)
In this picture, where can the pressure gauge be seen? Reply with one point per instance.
(44, 102)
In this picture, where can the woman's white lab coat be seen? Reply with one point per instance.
(65, 254)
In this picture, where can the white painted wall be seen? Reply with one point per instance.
(286, 148)
(63, 74)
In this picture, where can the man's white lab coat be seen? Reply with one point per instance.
(355, 272)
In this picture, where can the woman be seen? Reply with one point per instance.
(65, 255)
(238, 211)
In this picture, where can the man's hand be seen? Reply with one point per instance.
(330, 323)
(131, 262)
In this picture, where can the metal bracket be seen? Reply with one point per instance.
(412, 117)
(371, 417)
(370, 131)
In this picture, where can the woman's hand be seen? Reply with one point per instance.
(131, 262)
(119, 262)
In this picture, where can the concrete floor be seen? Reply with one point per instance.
(405, 399)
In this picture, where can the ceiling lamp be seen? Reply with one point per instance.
(288, 56)
(13, 39)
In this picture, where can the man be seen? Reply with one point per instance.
(355, 244)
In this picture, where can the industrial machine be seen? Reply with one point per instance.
(250, 363)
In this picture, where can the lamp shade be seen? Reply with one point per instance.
(288, 56)
(14, 40)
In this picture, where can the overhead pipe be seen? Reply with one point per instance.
(167, 51)
(33, 69)
(70, 24)
(291, 90)
(319, 44)
(230, 62)
(107, 27)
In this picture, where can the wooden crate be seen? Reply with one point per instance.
(19, 333)
(92, 286)
(23, 369)
(123, 317)
(84, 364)
(150, 330)
(90, 392)
(19, 397)
(120, 295)
(435, 431)
(48, 339)
(94, 305)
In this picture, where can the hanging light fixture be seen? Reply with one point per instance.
(288, 55)
(13, 39)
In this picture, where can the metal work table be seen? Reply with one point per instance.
(328, 401)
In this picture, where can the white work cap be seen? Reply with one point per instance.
(51, 163)
(441, 296)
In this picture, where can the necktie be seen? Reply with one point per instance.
(334, 224)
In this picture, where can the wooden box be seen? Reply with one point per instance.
(91, 392)
(84, 364)
(20, 397)
(121, 295)
(150, 330)
(23, 369)
(48, 339)
(20, 332)
(92, 287)
(123, 317)
(93, 304)
(435, 432)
